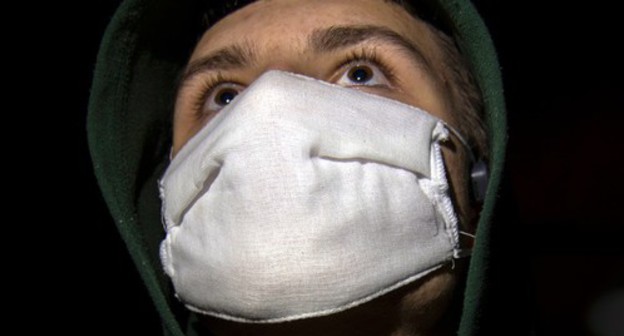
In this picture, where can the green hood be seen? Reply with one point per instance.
(144, 48)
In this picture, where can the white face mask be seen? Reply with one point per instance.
(303, 198)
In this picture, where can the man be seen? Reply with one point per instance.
(259, 238)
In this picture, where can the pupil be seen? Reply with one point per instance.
(360, 74)
(226, 97)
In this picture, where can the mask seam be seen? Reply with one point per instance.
(325, 312)
(441, 182)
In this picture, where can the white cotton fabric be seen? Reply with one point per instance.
(303, 198)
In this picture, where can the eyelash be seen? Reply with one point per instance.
(209, 83)
(371, 56)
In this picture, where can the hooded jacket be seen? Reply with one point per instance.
(145, 47)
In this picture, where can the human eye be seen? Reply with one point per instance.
(220, 96)
(362, 74)
(365, 69)
(209, 94)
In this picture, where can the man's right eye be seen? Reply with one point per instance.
(221, 95)
(361, 73)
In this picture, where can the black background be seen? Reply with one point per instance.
(563, 78)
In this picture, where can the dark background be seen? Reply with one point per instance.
(563, 79)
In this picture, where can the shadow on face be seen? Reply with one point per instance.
(426, 306)
(369, 45)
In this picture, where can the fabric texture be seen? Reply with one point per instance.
(145, 46)
(279, 208)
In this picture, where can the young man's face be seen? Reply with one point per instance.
(369, 45)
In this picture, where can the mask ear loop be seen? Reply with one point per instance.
(463, 141)
(463, 252)
(478, 169)
(467, 234)
(479, 181)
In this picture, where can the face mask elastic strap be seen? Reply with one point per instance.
(462, 253)
(463, 141)
(478, 170)
(459, 255)
(467, 234)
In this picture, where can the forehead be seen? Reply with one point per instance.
(284, 25)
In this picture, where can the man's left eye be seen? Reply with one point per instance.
(363, 75)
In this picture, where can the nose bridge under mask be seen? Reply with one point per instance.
(303, 198)
(365, 128)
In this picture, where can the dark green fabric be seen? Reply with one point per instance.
(476, 44)
(145, 46)
(129, 124)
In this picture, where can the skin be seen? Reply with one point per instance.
(279, 32)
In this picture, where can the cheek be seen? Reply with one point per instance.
(186, 123)
(459, 179)
(184, 128)
(181, 132)
(421, 90)
(424, 306)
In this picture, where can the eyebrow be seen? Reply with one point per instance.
(339, 37)
(324, 40)
(231, 57)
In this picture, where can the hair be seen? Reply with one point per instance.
(466, 99)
